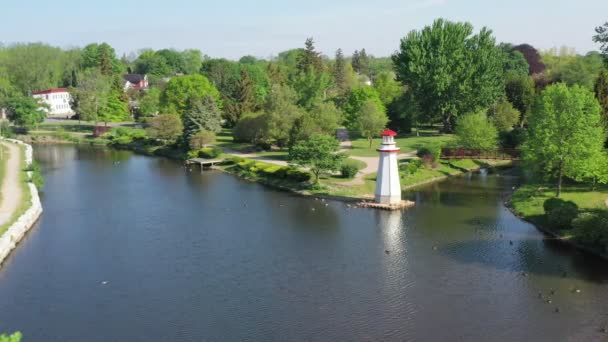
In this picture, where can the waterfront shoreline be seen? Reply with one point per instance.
(552, 234)
(19, 228)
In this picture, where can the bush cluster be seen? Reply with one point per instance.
(253, 167)
(348, 170)
(591, 228)
(560, 213)
(205, 152)
(125, 135)
(411, 167)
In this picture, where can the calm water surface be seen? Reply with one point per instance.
(132, 248)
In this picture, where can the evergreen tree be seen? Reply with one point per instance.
(310, 59)
(601, 93)
(361, 62)
(204, 115)
(340, 76)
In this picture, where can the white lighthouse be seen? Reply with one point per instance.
(388, 188)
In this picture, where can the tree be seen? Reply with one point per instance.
(568, 67)
(361, 61)
(601, 37)
(318, 153)
(25, 111)
(340, 75)
(514, 61)
(564, 133)
(520, 92)
(32, 67)
(165, 127)
(326, 116)
(371, 121)
(244, 98)
(204, 116)
(149, 105)
(476, 131)
(16, 337)
(387, 87)
(310, 59)
(532, 57)
(504, 116)
(91, 95)
(193, 60)
(152, 63)
(202, 139)
(355, 101)
(181, 92)
(601, 93)
(449, 70)
(101, 56)
(311, 86)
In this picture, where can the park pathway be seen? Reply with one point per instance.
(10, 191)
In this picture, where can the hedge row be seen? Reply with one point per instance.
(269, 170)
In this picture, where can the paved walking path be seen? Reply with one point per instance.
(255, 156)
(10, 191)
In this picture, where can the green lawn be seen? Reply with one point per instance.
(445, 168)
(407, 143)
(528, 200)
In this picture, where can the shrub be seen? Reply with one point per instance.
(433, 150)
(560, 213)
(125, 135)
(202, 139)
(297, 175)
(348, 171)
(209, 152)
(592, 229)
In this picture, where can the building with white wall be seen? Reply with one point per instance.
(58, 101)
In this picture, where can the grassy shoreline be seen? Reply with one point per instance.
(26, 198)
(527, 204)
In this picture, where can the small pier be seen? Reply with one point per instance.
(204, 163)
(391, 207)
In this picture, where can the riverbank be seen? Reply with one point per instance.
(527, 204)
(333, 186)
(25, 203)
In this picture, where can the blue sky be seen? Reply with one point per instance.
(263, 28)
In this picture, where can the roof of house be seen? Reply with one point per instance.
(388, 133)
(51, 91)
(134, 78)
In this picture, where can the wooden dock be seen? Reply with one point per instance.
(204, 163)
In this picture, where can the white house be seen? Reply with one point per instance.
(57, 100)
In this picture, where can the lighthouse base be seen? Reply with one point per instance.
(395, 199)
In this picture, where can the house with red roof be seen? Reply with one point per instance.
(57, 100)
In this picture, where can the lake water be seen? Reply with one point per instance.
(132, 248)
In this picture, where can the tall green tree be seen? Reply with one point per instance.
(355, 101)
(504, 116)
(371, 121)
(514, 61)
(449, 70)
(310, 59)
(318, 153)
(149, 105)
(340, 73)
(565, 133)
(181, 92)
(361, 62)
(203, 116)
(32, 67)
(601, 37)
(601, 93)
(102, 56)
(387, 87)
(25, 111)
(91, 95)
(520, 92)
(476, 131)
